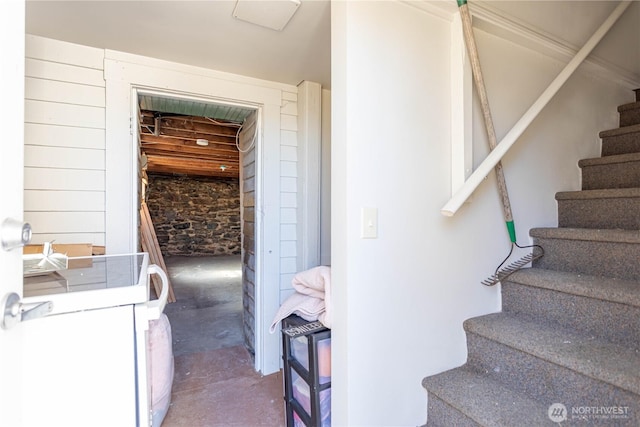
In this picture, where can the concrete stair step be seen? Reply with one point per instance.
(616, 171)
(622, 140)
(617, 208)
(588, 304)
(462, 397)
(629, 114)
(552, 363)
(596, 252)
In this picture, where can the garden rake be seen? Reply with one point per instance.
(504, 270)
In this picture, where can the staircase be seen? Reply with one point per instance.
(566, 347)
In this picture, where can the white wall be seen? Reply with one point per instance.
(325, 181)
(400, 299)
(64, 142)
(289, 200)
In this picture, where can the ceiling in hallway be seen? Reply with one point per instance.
(199, 33)
(205, 33)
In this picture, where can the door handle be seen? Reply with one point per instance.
(15, 311)
(14, 234)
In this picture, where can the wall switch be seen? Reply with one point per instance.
(369, 223)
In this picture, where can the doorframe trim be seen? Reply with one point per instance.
(309, 172)
(125, 73)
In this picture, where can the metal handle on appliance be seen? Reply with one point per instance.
(15, 311)
(156, 307)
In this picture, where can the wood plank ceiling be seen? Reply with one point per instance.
(168, 141)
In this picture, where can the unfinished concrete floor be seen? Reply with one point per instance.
(215, 383)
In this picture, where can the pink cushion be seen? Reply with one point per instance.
(161, 362)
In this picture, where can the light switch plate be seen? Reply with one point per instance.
(369, 223)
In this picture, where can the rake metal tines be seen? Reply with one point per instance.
(504, 272)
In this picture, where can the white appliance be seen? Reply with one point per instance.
(87, 359)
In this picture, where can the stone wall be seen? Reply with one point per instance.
(195, 215)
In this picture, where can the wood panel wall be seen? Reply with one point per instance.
(64, 198)
(248, 206)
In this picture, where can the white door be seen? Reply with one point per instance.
(35, 357)
(11, 184)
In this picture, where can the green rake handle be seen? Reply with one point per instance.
(486, 112)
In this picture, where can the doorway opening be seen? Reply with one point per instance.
(197, 174)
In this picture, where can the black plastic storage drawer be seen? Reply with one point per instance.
(307, 372)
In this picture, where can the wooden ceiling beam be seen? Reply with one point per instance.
(216, 159)
(189, 133)
(198, 124)
(219, 122)
(183, 171)
(172, 143)
(191, 167)
(197, 163)
(145, 136)
(202, 124)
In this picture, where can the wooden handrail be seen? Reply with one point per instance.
(512, 136)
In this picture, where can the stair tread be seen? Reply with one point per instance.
(607, 160)
(598, 235)
(485, 400)
(604, 288)
(619, 131)
(563, 324)
(629, 106)
(605, 193)
(585, 354)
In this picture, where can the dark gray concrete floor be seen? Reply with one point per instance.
(207, 314)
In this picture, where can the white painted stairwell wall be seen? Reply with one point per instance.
(400, 300)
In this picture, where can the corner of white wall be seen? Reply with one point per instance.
(325, 184)
(309, 172)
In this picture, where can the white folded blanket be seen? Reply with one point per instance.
(311, 299)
